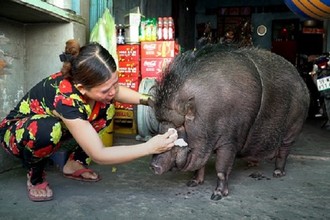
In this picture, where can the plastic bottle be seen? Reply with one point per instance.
(120, 34)
(148, 29)
(142, 30)
(160, 29)
(165, 28)
(154, 29)
(170, 28)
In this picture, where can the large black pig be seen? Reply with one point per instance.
(247, 103)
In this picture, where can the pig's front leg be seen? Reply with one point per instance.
(224, 162)
(198, 178)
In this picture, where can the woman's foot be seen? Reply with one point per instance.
(75, 170)
(39, 192)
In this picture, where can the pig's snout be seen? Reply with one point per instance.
(162, 163)
(156, 168)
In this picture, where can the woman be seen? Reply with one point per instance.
(76, 102)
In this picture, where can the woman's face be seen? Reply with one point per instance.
(104, 92)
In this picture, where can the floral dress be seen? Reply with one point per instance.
(32, 132)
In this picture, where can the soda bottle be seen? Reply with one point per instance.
(120, 34)
(165, 28)
(160, 29)
(170, 29)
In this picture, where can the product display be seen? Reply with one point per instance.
(145, 47)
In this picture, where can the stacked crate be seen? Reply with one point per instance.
(155, 56)
(129, 76)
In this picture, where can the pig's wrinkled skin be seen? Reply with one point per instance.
(246, 103)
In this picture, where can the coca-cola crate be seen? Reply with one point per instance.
(130, 82)
(128, 52)
(158, 49)
(153, 67)
(129, 69)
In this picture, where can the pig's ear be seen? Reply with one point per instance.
(190, 109)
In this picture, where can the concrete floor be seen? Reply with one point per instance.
(134, 192)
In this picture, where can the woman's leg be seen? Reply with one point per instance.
(79, 160)
(76, 166)
(33, 140)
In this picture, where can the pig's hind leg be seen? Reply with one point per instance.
(284, 150)
(280, 161)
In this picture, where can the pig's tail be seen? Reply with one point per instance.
(72, 48)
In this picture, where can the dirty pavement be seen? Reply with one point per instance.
(132, 191)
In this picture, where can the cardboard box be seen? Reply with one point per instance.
(158, 49)
(132, 19)
(128, 52)
(132, 34)
(129, 69)
(153, 67)
(130, 82)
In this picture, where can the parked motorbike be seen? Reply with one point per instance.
(321, 76)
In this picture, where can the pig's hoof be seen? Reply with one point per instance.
(193, 183)
(216, 196)
(278, 173)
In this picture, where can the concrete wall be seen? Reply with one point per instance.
(30, 52)
(12, 51)
(44, 43)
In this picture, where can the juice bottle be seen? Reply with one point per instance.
(154, 29)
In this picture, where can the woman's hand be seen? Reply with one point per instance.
(162, 142)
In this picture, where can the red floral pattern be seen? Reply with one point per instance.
(44, 152)
(99, 125)
(20, 123)
(68, 101)
(30, 144)
(57, 99)
(55, 75)
(36, 108)
(33, 128)
(65, 86)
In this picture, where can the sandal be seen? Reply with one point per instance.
(40, 186)
(77, 175)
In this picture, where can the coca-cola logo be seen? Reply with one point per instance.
(149, 46)
(149, 63)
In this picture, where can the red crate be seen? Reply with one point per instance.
(158, 49)
(128, 52)
(130, 82)
(153, 67)
(129, 69)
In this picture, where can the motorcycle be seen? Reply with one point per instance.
(321, 76)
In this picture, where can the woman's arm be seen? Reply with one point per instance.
(130, 96)
(90, 142)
